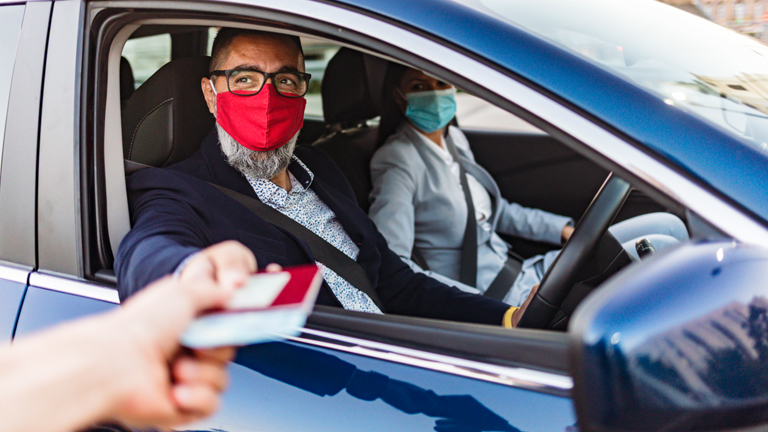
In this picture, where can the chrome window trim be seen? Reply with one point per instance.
(519, 377)
(15, 272)
(72, 286)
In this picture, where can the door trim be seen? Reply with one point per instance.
(74, 287)
(525, 378)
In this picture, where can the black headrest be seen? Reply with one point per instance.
(166, 119)
(352, 87)
(126, 80)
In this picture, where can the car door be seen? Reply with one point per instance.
(346, 370)
(23, 30)
(56, 292)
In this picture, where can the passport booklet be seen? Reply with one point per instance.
(269, 307)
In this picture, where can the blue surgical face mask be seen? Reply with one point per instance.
(431, 110)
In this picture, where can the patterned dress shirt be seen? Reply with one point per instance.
(304, 206)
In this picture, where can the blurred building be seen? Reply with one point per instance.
(745, 16)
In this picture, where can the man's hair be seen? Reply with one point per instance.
(223, 41)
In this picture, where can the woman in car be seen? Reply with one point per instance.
(419, 204)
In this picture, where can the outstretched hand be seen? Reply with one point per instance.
(230, 262)
(126, 365)
(165, 384)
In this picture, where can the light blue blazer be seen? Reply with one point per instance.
(416, 200)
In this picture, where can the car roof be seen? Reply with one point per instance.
(709, 153)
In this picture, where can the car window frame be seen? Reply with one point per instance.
(545, 351)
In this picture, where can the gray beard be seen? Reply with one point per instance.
(256, 164)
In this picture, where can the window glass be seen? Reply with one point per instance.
(476, 113)
(472, 112)
(10, 25)
(212, 31)
(685, 61)
(146, 55)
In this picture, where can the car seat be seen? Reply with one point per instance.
(127, 82)
(351, 93)
(166, 118)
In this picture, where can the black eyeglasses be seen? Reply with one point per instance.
(248, 82)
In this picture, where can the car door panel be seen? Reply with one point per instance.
(295, 386)
(11, 296)
(19, 146)
(43, 308)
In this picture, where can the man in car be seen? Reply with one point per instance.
(255, 90)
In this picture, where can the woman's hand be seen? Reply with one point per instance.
(566, 233)
(518, 314)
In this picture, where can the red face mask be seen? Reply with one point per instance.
(262, 122)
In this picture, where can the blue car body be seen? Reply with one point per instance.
(347, 372)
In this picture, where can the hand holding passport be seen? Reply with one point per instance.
(268, 307)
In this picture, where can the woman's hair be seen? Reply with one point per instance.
(391, 113)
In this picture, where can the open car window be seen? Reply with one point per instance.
(532, 167)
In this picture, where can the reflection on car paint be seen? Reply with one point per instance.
(324, 383)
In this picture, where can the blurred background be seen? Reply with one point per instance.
(745, 16)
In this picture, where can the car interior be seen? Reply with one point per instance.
(164, 118)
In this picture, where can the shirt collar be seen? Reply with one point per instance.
(301, 172)
(269, 193)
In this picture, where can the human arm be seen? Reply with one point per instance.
(532, 224)
(516, 220)
(167, 220)
(405, 292)
(125, 365)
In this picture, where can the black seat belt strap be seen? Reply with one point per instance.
(468, 272)
(323, 251)
(504, 279)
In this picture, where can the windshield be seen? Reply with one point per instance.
(685, 60)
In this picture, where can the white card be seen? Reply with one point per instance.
(260, 291)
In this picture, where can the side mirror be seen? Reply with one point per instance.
(679, 342)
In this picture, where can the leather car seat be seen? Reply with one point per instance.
(166, 118)
(351, 93)
(127, 82)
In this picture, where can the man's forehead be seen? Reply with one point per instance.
(265, 49)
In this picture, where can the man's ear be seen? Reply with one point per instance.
(210, 97)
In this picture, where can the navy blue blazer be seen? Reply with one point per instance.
(175, 212)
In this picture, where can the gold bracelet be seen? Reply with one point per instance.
(507, 321)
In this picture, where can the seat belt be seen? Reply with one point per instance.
(468, 272)
(504, 279)
(506, 276)
(323, 251)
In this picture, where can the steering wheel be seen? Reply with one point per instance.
(561, 275)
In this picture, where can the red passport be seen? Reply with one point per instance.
(270, 306)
